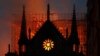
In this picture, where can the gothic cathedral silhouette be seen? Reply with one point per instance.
(48, 41)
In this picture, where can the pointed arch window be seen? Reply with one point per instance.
(23, 48)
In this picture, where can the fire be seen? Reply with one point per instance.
(62, 25)
(32, 34)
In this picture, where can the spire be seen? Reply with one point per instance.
(74, 34)
(23, 32)
(23, 25)
(74, 13)
(9, 48)
(23, 14)
(48, 11)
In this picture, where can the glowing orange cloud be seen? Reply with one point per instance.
(60, 24)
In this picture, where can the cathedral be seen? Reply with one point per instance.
(48, 41)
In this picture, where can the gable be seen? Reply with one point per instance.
(48, 29)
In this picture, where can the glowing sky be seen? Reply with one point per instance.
(12, 9)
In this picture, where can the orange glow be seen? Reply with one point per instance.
(32, 34)
(62, 25)
(23, 48)
(48, 44)
(35, 20)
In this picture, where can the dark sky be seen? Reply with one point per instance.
(11, 10)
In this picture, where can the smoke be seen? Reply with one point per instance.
(12, 10)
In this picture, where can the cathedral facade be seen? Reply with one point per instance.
(48, 41)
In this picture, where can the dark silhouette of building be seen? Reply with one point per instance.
(73, 38)
(93, 27)
(9, 53)
(48, 41)
(23, 41)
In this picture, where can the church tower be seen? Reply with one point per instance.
(23, 40)
(73, 38)
(48, 12)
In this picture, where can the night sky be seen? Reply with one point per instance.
(12, 9)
